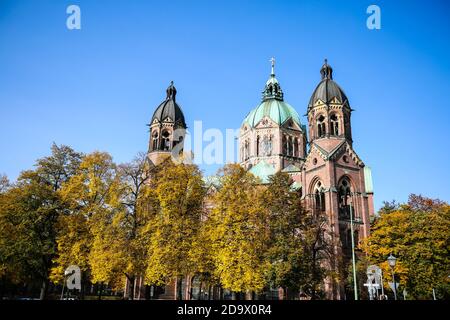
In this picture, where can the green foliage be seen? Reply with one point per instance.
(286, 245)
(29, 213)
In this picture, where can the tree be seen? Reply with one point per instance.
(29, 214)
(389, 207)
(238, 226)
(7, 239)
(90, 199)
(286, 243)
(177, 191)
(418, 234)
(120, 248)
(319, 253)
(4, 183)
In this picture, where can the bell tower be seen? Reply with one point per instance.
(167, 129)
(329, 111)
(337, 182)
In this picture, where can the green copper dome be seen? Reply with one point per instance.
(272, 105)
(278, 111)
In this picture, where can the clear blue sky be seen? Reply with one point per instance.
(96, 88)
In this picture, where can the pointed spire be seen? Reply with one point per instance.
(326, 71)
(272, 89)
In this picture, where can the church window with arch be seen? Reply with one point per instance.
(246, 150)
(165, 141)
(334, 125)
(258, 141)
(321, 131)
(267, 145)
(345, 199)
(319, 198)
(155, 137)
(295, 149)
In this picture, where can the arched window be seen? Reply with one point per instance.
(295, 148)
(285, 145)
(246, 150)
(289, 146)
(165, 141)
(300, 149)
(334, 125)
(257, 146)
(344, 194)
(321, 126)
(319, 197)
(267, 145)
(155, 136)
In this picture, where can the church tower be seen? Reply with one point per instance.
(336, 180)
(272, 137)
(167, 129)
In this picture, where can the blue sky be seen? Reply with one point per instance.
(96, 88)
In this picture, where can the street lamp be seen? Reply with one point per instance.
(392, 261)
(66, 274)
(355, 286)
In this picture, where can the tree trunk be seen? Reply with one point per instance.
(82, 291)
(100, 291)
(44, 287)
(131, 288)
(313, 291)
(179, 293)
(200, 291)
(2, 287)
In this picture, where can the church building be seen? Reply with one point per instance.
(325, 168)
(319, 156)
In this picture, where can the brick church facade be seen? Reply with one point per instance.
(319, 156)
(325, 168)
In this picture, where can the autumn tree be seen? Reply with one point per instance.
(5, 237)
(29, 214)
(238, 232)
(418, 234)
(202, 255)
(90, 200)
(319, 253)
(286, 243)
(122, 247)
(177, 191)
(4, 183)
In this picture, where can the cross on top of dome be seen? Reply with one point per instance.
(272, 61)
